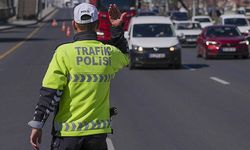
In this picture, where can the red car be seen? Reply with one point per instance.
(222, 40)
(103, 31)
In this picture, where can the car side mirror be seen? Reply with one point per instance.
(247, 38)
(126, 35)
(245, 34)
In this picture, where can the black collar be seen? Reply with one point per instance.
(88, 35)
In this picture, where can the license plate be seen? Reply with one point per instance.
(191, 40)
(157, 55)
(229, 49)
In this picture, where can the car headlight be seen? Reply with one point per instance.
(137, 48)
(211, 43)
(175, 47)
(244, 42)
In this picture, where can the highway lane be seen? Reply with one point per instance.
(161, 109)
(184, 109)
(11, 37)
(21, 75)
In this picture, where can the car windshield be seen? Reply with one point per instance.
(247, 10)
(179, 16)
(146, 14)
(223, 32)
(202, 19)
(188, 26)
(236, 21)
(122, 4)
(152, 30)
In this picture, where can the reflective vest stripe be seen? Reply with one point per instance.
(91, 78)
(79, 126)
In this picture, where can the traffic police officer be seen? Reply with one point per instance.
(77, 84)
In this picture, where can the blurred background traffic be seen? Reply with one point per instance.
(27, 9)
(200, 103)
(188, 19)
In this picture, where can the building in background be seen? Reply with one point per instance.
(69, 3)
(7, 9)
(28, 9)
(22, 9)
(201, 7)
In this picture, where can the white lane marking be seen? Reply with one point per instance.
(219, 80)
(110, 144)
(189, 68)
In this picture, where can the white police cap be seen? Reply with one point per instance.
(85, 13)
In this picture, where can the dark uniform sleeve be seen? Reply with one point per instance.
(48, 102)
(118, 40)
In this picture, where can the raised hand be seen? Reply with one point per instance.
(115, 16)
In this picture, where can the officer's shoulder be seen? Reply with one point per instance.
(112, 48)
(63, 46)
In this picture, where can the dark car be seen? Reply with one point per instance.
(179, 16)
(222, 40)
(146, 13)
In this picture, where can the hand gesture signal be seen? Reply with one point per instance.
(115, 16)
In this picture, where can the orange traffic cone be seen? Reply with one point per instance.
(68, 32)
(63, 26)
(54, 23)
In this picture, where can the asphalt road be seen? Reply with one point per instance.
(203, 106)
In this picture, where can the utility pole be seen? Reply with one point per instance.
(198, 7)
(215, 3)
(183, 4)
(193, 8)
(167, 6)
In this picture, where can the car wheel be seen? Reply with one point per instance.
(245, 57)
(177, 66)
(132, 63)
(205, 55)
(198, 54)
(236, 57)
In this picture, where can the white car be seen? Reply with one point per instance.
(247, 10)
(240, 21)
(152, 42)
(187, 31)
(203, 20)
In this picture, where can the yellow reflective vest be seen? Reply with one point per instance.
(83, 71)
